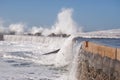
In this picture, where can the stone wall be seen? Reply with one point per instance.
(98, 62)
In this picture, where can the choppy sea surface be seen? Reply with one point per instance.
(25, 61)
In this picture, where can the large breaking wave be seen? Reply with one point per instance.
(64, 24)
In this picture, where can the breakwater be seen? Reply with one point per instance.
(98, 62)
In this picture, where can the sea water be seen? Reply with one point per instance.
(25, 61)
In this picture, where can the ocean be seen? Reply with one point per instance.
(26, 60)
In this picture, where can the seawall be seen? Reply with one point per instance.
(98, 62)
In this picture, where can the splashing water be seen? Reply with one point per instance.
(17, 28)
(74, 64)
(65, 24)
(65, 55)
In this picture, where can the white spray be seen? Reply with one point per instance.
(46, 32)
(74, 64)
(17, 28)
(65, 24)
(2, 29)
(65, 55)
(35, 30)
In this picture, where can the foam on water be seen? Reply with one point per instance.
(62, 58)
(29, 52)
(33, 52)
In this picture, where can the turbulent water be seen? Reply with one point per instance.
(26, 60)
